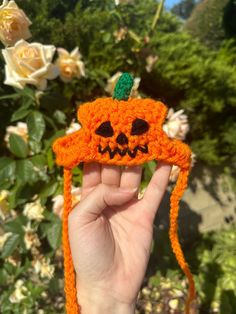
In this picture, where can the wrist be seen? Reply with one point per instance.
(100, 302)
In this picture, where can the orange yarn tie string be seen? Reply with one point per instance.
(70, 285)
(173, 234)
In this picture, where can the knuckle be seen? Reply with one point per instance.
(101, 187)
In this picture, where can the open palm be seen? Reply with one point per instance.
(110, 231)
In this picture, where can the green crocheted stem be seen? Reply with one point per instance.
(123, 87)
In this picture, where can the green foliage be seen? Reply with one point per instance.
(201, 81)
(187, 75)
(10, 246)
(212, 260)
(212, 21)
(217, 265)
(18, 146)
(184, 8)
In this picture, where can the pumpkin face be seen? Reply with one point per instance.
(119, 132)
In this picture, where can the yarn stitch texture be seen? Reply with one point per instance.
(122, 132)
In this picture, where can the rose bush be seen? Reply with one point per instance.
(31, 187)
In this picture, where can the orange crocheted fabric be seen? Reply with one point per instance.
(122, 131)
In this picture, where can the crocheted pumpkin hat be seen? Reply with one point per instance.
(122, 131)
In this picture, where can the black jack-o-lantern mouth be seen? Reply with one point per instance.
(123, 152)
(139, 126)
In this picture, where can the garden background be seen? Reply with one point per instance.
(185, 57)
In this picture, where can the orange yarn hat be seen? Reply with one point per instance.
(122, 131)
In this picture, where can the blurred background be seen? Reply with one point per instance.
(58, 54)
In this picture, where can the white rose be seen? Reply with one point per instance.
(74, 126)
(44, 268)
(31, 238)
(14, 24)
(150, 62)
(29, 63)
(173, 304)
(20, 129)
(58, 201)
(70, 64)
(111, 83)
(20, 292)
(15, 261)
(120, 34)
(34, 211)
(176, 125)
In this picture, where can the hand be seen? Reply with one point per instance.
(110, 234)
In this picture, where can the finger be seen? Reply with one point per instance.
(156, 188)
(131, 177)
(91, 177)
(98, 199)
(110, 175)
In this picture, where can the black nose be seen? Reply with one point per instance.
(122, 139)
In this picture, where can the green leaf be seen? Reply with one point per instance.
(7, 169)
(48, 190)
(3, 275)
(149, 169)
(106, 37)
(25, 171)
(54, 286)
(12, 96)
(14, 194)
(151, 166)
(35, 146)
(39, 161)
(23, 111)
(36, 126)
(54, 234)
(27, 92)
(15, 225)
(40, 166)
(18, 146)
(60, 117)
(155, 280)
(50, 122)
(19, 114)
(10, 245)
(5, 185)
(49, 215)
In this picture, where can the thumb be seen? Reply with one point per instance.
(97, 200)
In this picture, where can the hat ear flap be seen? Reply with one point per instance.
(69, 274)
(176, 195)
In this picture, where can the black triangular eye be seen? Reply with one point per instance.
(105, 129)
(139, 126)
